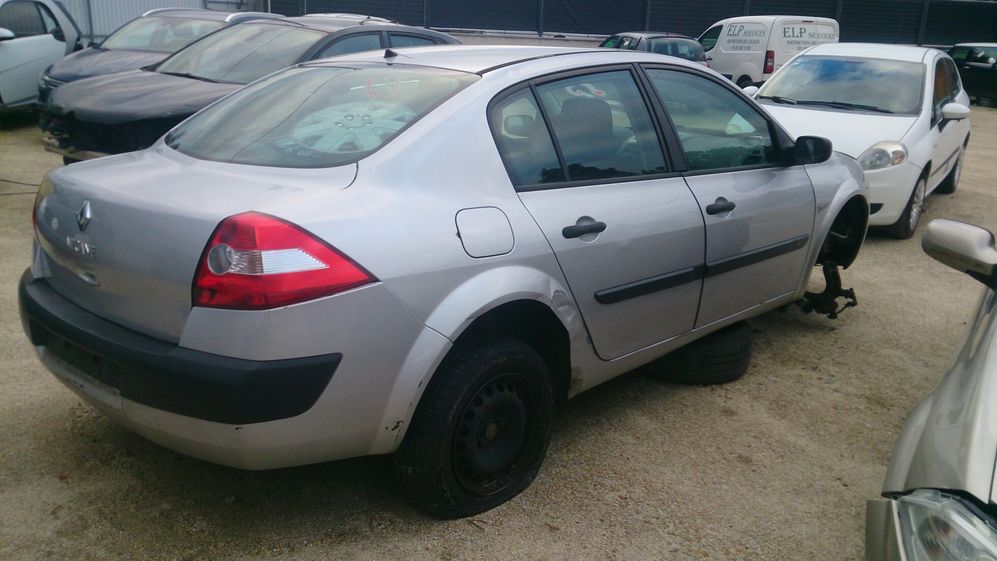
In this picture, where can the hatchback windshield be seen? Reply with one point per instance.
(849, 84)
(242, 53)
(159, 34)
(316, 116)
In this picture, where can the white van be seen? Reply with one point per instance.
(748, 49)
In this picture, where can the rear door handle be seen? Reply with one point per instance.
(721, 205)
(579, 230)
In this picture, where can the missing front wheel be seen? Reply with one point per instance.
(826, 302)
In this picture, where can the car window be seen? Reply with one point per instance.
(959, 54)
(242, 53)
(942, 92)
(524, 141)
(353, 44)
(602, 126)
(716, 128)
(23, 18)
(682, 48)
(159, 34)
(316, 116)
(612, 43)
(628, 42)
(982, 55)
(48, 20)
(401, 40)
(955, 86)
(710, 37)
(890, 85)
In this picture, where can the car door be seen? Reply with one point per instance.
(979, 72)
(28, 54)
(947, 136)
(584, 154)
(759, 213)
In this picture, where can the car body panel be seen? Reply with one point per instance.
(977, 63)
(417, 184)
(95, 61)
(950, 439)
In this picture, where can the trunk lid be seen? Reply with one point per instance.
(122, 236)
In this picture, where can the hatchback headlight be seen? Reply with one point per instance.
(883, 155)
(940, 527)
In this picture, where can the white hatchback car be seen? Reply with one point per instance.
(33, 35)
(900, 111)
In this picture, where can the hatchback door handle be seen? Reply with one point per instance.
(721, 205)
(579, 230)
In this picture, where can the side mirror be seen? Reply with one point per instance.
(954, 112)
(519, 125)
(58, 35)
(811, 150)
(6, 34)
(966, 248)
(750, 91)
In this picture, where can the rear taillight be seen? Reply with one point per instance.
(769, 62)
(255, 261)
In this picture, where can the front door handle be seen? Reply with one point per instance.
(579, 230)
(720, 206)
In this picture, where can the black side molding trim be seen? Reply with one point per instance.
(692, 274)
(729, 264)
(647, 286)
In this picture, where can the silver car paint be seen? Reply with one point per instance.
(430, 289)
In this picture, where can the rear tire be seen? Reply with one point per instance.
(718, 358)
(906, 225)
(745, 81)
(480, 432)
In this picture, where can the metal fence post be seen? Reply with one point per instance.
(425, 14)
(647, 15)
(924, 22)
(747, 7)
(540, 18)
(839, 10)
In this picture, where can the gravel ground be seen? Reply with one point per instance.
(775, 466)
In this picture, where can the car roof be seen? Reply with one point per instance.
(479, 59)
(873, 50)
(771, 18)
(200, 13)
(654, 34)
(333, 22)
(975, 45)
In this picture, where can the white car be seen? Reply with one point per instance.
(900, 111)
(748, 49)
(33, 35)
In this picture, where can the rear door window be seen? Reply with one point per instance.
(523, 140)
(353, 44)
(716, 128)
(602, 126)
(404, 40)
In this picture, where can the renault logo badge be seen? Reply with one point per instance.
(83, 216)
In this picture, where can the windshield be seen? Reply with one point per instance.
(159, 34)
(316, 116)
(877, 84)
(682, 48)
(242, 53)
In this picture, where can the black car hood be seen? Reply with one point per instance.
(97, 62)
(135, 95)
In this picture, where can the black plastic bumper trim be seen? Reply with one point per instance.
(168, 377)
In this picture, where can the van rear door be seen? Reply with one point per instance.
(791, 35)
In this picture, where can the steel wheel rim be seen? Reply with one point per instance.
(917, 205)
(492, 435)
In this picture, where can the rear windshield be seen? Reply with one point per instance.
(890, 85)
(682, 48)
(242, 53)
(316, 116)
(159, 34)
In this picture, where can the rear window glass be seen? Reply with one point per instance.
(242, 53)
(682, 48)
(160, 34)
(316, 116)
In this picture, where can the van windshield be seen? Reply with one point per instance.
(849, 83)
(317, 116)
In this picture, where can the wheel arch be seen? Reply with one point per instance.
(844, 238)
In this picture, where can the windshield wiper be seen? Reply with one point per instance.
(779, 99)
(189, 75)
(845, 105)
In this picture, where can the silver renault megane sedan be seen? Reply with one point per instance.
(421, 251)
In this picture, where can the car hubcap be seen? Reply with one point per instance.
(491, 435)
(917, 205)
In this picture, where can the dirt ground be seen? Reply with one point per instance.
(775, 466)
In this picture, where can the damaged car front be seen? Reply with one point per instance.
(938, 500)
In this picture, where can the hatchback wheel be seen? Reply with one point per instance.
(905, 226)
(718, 358)
(480, 432)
